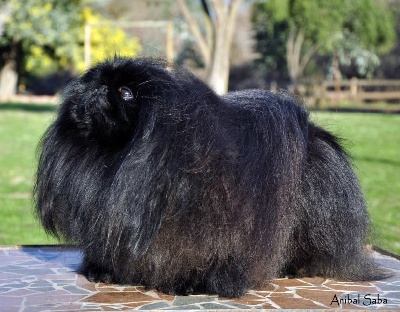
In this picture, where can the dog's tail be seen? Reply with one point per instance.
(331, 237)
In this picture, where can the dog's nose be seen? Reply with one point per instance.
(103, 89)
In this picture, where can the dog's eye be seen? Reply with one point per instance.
(126, 94)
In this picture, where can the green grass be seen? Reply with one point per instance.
(21, 126)
(372, 139)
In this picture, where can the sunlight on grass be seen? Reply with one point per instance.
(21, 127)
(372, 139)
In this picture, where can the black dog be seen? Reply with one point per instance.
(165, 184)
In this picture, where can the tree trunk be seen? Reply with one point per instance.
(8, 80)
(8, 74)
(218, 72)
(296, 56)
(202, 43)
(224, 26)
(293, 55)
(216, 55)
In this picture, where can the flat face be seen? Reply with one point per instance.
(104, 104)
(44, 278)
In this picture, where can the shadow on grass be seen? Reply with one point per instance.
(393, 110)
(29, 107)
(379, 161)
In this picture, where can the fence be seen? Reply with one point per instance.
(354, 90)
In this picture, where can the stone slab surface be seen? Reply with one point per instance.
(44, 279)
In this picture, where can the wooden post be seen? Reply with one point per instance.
(170, 42)
(336, 79)
(323, 96)
(87, 43)
(273, 86)
(354, 89)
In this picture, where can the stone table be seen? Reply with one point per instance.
(43, 278)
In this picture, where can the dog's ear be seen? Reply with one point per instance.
(48, 180)
(136, 204)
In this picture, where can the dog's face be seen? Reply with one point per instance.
(104, 104)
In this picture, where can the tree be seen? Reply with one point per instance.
(350, 52)
(317, 25)
(214, 39)
(44, 36)
(36, 23)
(368, 31)
(106, 40)
(390, 62)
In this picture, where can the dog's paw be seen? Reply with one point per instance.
(99, 276)
(96, 274)
(176, 290)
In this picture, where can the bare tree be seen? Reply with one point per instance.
(215, 43)
(297, 58)
(8, 75)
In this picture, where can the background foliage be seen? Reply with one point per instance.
(360, 30)
(46, 36)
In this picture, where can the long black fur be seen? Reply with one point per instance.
(184, 191)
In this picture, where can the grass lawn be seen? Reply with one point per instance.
(21, 126)
(372, 139)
